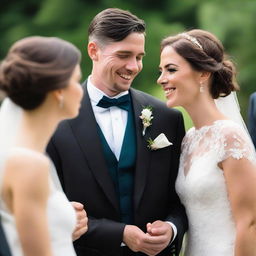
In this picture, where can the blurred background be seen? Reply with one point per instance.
(232, 21)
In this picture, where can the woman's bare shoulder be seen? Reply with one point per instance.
(23, 161)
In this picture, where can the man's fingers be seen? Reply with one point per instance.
(77, 205)
(152, 249)
(157, 231)
(82, 222)
(78, 233)
(81, 214)
(154, 240)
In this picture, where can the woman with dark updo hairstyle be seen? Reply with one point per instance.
(217, 174)
(40, 76)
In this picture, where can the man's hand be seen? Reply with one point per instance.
(81, 221)
(163, 233)
(150, 244)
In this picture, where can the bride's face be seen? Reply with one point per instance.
(73, 94)
(179, 81)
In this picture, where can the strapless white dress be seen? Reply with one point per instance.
(61, 222)
(201, 186)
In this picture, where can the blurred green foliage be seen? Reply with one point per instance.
(233, 21)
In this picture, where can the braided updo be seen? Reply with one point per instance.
(205, 52)
(35, 66)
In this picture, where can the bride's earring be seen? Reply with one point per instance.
(61, 101)
(201, 88)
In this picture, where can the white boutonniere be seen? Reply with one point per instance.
(146, 117)
(160, 141)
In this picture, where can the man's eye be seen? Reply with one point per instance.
(139, 58)
(123, 56)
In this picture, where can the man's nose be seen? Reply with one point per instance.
(133, 65)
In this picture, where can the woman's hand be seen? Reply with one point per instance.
(82, 221)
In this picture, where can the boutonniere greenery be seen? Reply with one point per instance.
(160, 141)
(146, 117)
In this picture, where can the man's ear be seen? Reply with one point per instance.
(93, 49)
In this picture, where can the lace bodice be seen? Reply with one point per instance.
(201, 185)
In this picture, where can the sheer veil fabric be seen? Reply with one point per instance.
(10, 117)
(229, 106)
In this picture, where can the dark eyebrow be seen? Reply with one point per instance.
(169, 65)
(129, 52)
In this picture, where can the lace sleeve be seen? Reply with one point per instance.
(237, 144)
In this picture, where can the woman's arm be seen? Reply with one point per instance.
(240, 177)
(26, 194)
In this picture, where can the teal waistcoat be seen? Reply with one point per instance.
(122, 171)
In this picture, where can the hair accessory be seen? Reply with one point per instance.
(191, 39)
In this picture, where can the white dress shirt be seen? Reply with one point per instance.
(112, 121)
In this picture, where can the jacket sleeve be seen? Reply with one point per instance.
(53, 154)
(103, 235)
(177, 214)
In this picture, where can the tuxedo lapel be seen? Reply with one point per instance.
(85, 130)
(143, 157)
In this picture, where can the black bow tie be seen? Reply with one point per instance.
(122, 102)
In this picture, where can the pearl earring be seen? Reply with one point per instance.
(201, 88)
(61, 102)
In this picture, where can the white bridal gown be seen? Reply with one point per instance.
(201, 186)
(61, 221)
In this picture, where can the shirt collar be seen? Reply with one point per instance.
(96, 94)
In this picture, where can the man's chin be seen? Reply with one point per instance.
(121, 87)
(127, 87)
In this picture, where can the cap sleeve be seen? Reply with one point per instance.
(236, 143)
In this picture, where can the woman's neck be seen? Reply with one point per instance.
(36, 129)
(204, 112)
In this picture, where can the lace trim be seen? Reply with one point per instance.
(224, 138)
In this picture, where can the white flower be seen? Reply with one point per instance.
(146, 113)
(146, 117)
(160, 141)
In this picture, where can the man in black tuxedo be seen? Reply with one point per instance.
(103, 159)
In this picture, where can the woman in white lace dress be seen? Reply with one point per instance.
(40, 76)
(217, 175)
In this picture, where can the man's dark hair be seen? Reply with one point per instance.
(114, 25)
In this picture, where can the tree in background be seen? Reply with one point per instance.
(231, 20)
